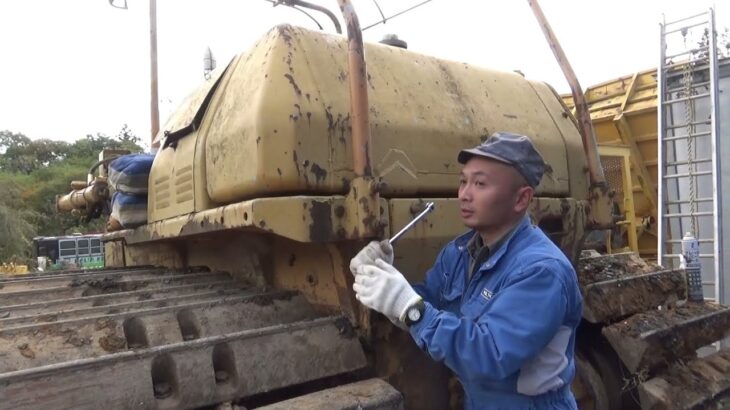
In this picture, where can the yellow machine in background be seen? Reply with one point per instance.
(624, 116)
(13, 269)
(616, 162)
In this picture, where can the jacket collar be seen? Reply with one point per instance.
(462, 241)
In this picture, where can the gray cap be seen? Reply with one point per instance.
(512, 149)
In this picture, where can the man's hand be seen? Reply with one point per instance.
(382, 288)
(372, 251)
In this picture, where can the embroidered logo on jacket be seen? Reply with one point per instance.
(487, 294)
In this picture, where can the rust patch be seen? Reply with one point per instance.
(283, 30)
(370, 220)
(205, 225)
(293, 83)
(320, 174)
(330, 119)
(296, 162)
(368, 169)
(305, 165)
(320, 230)
(344, 126)
(298, 115)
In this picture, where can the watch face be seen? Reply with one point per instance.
(414, 314)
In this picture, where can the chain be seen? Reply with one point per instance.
(689, 118)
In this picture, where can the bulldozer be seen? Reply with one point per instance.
(269, 178)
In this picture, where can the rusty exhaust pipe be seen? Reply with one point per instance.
(358, 91)
(581, 107)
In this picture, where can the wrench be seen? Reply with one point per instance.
(429, 207)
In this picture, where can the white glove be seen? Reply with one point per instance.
(372, 251)
(382, 288)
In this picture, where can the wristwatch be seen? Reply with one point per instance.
(414, 313)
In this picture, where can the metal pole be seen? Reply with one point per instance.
(154, 109)
(661, 160)
(717, 169)
(358, 91)
(581, 107)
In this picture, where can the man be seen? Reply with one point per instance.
(501, 304)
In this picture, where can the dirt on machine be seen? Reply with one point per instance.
(268, 179)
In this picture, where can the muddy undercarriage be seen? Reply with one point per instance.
(147, 337)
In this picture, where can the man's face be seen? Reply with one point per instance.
(491, 194)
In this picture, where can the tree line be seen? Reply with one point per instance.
(32, 173)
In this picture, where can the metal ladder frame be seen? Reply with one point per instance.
(664, 97)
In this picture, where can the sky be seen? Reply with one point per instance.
(77, 67)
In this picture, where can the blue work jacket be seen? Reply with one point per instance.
(508, 332)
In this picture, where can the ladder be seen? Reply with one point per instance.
(688, 161)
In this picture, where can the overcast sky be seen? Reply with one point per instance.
(77, 67)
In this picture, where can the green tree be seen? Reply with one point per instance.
(23, 155)
(17, 224)
(33, 172)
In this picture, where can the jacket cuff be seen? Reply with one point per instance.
(429, 316)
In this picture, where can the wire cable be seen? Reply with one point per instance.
(396, 14)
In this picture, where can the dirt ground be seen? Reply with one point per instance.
(644, 322)
(609, 267)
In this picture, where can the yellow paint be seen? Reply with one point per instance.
(624, 114)
(278, 122)
(620, 181)
(13, 269)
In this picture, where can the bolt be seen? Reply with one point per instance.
(221, 376)
(163, 390)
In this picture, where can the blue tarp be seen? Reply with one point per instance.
(129, 210)
(130, 173)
